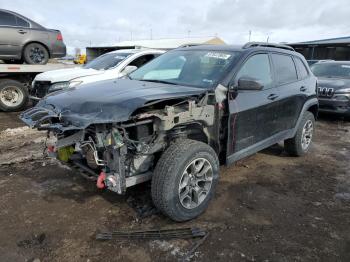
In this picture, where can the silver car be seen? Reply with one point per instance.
(23, 40)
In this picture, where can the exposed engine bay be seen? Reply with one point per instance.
(120, 155)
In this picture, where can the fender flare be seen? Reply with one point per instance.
(309, 103)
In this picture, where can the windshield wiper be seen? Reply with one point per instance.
(158, 81)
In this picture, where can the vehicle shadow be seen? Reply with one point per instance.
(275, 150)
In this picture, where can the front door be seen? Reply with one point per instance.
(253, 112)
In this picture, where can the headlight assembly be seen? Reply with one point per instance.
(59, 86)
(64, 85)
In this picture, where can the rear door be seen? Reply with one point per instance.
(13, 31)
(291, 90)
(7, 26)
(253, 112)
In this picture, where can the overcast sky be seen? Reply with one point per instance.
(96, 22)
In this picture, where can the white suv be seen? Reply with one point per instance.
(108, 66)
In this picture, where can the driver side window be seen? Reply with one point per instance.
(257, 68)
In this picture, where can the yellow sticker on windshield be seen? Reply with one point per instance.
(218, 55)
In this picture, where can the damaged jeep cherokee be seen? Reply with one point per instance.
(177, 118)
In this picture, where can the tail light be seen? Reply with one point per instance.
(59, 37)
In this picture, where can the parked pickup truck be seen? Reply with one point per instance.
(177, 118)
(108, 66)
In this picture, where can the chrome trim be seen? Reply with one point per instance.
(325, 91)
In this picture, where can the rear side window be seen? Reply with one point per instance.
(140, 61)
(21, 22)
(258, 68)
(285, 69)
(7, 19)
(302, 71)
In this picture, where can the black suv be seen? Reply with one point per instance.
(333, 81)
(179, 116)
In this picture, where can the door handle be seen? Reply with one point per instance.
(303, 89)
(272, 96)
(22, 31)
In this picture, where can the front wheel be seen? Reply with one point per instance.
(184, 179)
(299, 145)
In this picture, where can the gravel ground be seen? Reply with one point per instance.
(268, 207)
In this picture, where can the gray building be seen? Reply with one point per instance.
(333, 48)
(163, 44)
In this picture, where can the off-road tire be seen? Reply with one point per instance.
(18, 86)
(293, 146)
(35, 47)
(168, 172)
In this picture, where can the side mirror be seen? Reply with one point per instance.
(128, 70)
(248, 83)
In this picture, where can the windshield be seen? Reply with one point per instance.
(199, 68)
(107, 61)
(331, 70)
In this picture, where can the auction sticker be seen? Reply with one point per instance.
(218, 55)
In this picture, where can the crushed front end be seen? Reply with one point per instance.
(118, 155)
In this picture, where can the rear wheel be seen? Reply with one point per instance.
(300, 143)
(13, 95)
(184, 179)
(35, 53)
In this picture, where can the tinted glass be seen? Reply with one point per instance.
(331, 70)
(7, 19)
(21, 22)
(198, 68)
(285, 68)
(107, 61)
(258, 68)
(302, 71)
(140, 61)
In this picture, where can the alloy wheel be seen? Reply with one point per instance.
(195, 183)
(306, 135)
(36, 55)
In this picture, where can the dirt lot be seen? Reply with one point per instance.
(268, 207)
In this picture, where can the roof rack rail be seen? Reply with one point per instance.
(265, 44)
(188, 45)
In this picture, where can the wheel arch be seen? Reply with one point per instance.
(314, 110)
(193, 130)
(310, 105)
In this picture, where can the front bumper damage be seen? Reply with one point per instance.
(43, 119)
(108, 172)
(122, 154)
